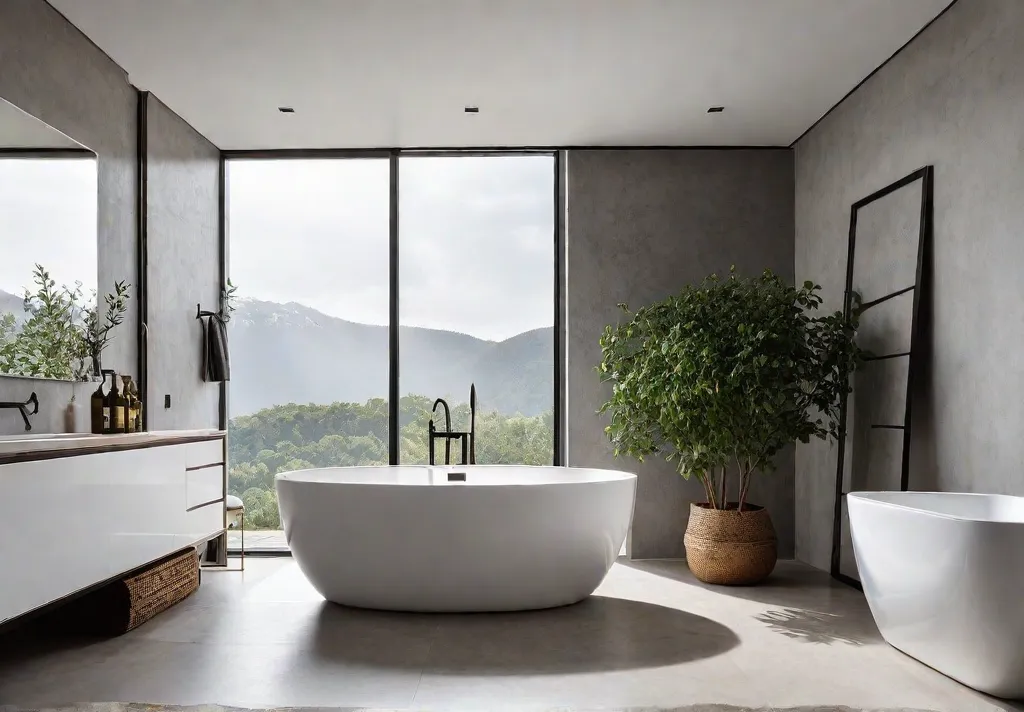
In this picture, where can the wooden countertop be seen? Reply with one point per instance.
(45, 446)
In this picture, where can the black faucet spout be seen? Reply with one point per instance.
(23, 408)
(433, 433)
(447, 413)
(467, 439)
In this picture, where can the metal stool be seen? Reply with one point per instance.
(234, 508)
(234, 516)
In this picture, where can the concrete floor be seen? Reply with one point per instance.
(651, 637)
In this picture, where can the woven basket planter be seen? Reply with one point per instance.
(730, 547)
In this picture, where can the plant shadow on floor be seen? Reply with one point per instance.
(597, 634)
(812, 607)
(815, 627)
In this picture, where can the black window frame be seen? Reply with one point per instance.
(393, 155)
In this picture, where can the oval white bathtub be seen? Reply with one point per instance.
(407, 538)
(943, 574)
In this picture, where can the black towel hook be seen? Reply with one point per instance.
(200, 313)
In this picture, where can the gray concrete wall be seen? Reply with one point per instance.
(52, 71)
(183, 245)
(954, 98)
(49, 69)
(641, 224)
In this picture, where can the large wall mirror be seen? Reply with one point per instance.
(48, 251)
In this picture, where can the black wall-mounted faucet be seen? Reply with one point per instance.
(468, 439)
(23, 408)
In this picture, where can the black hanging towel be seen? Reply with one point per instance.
(216, 363)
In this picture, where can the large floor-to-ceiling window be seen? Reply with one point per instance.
(476, 251)
(325, 251)
(309, 245)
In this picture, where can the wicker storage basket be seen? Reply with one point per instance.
(730, 547)
(127, 603)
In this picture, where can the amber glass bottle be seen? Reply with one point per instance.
(138, 408)
(129, 404)
(96, 410)
(114, 404)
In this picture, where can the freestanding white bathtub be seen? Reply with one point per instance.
(450, 538)
(943, 574)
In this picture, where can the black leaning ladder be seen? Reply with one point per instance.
(925, 175)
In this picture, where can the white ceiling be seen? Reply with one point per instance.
(21, 130)
(383, 73)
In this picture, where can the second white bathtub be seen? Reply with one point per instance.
(943, 574)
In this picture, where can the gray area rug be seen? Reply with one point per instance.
(135, 707)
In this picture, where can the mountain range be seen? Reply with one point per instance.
(291, 353)
(284, 353)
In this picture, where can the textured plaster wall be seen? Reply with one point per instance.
(183, 186)
(641, 224)
(954, 98)
(50, 70)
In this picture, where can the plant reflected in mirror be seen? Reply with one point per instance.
(63, 335)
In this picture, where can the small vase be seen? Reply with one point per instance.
(72, 417)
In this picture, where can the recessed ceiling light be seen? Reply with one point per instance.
(286, 109)
(716, 109)
(472, 109)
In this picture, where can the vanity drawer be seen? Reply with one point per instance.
(207, 452)
(204, 486)
(204, 522)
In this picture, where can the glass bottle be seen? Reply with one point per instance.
(121, 404)
(114, 404)
(96, 408)
(129, 404)
(138, 407)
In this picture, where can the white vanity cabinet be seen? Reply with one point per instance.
(72, 519)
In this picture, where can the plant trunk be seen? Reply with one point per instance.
(725, 496)
(709, 489)
(744, 485)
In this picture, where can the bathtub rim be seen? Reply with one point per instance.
(611, 476)
(867, 496)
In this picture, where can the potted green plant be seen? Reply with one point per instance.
(720, 378)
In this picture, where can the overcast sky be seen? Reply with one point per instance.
(47, 215)
(477, 245)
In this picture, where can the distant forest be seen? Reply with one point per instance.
(295, 437)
